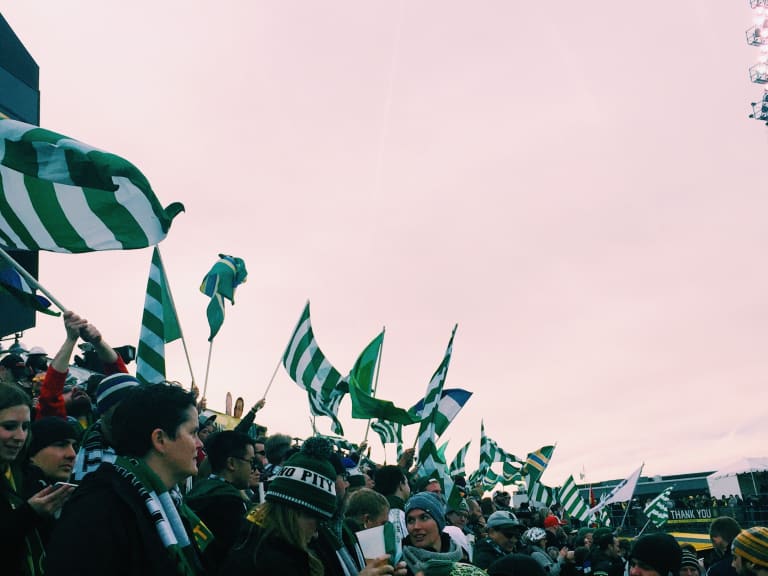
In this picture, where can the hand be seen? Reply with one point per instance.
(376, 566)
(50, 499)
(91, 334)
(259, 405)
(73, 324)
(202, 404)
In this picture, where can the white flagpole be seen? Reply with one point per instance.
(31, 279)
(375, 380)
(280, 361)
(178, 321)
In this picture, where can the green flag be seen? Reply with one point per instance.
(226, 274)
(367, 407)
(62, 195)
(159, 325)
(365, 365)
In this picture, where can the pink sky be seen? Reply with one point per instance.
(577, 185)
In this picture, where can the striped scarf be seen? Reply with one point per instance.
(93, 451)
(167, 511)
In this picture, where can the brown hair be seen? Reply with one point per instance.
(281, 521)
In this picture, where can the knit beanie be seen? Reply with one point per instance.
(50, 430)
(752, 544)
(307, 480)
(113, 389)
(430, 504)
(690, 560)
(660, 551)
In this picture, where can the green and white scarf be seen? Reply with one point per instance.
(167, 510)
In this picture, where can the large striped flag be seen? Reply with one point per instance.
(61, 195)
(452, 400)
(491, 452)
(159, 325)
(431, 402)
(542, 495)
(307, 366)
(657, 510)
(226, 275)
(572, 502)
(389, 432)
(458, 465)
(13, 284)
(536, 463)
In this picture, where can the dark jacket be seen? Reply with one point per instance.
(258, 555)
(723, 567)
(106, 530)
(487, 552)
(222, 509)
(19, 525)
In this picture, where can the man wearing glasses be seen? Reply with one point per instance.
(218, 500)
(504, 530)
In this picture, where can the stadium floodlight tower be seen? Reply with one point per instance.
(757, 36)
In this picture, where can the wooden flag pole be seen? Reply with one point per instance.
(207, 368)
(178, 321)
(31, 279)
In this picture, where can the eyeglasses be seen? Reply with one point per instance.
(253, 462)
(261, 452)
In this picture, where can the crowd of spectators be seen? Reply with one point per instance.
(111, 476)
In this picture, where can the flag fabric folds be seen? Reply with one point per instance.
(458, 466)
(307, 366)
(365, 366)
(13, 284)
(431, 402)
(224, 277)
(542, 495)
(536, 463)
(61, 195)
(360, 382)
(452, 400)
(657, 510)
(622, 492)
(389, 432)
(572, 502)
(159, 325)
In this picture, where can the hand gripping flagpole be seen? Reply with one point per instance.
(181, 332)
(31, 279)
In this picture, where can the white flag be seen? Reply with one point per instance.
(622, 492)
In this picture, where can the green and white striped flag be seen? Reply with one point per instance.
(159, 325)
(491, 452)
(541, 495)
(61, 195)
(458, 466)
(510, 473)
(657, 510)
(427, 427)
(572, 502)
(307, 366)
(389, 432)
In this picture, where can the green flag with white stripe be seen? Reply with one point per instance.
(431, 403)
(657, 510)
(572, 502)
(61, 195)
(159, 325)
(308, 367)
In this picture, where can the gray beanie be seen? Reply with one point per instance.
(430, 504)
